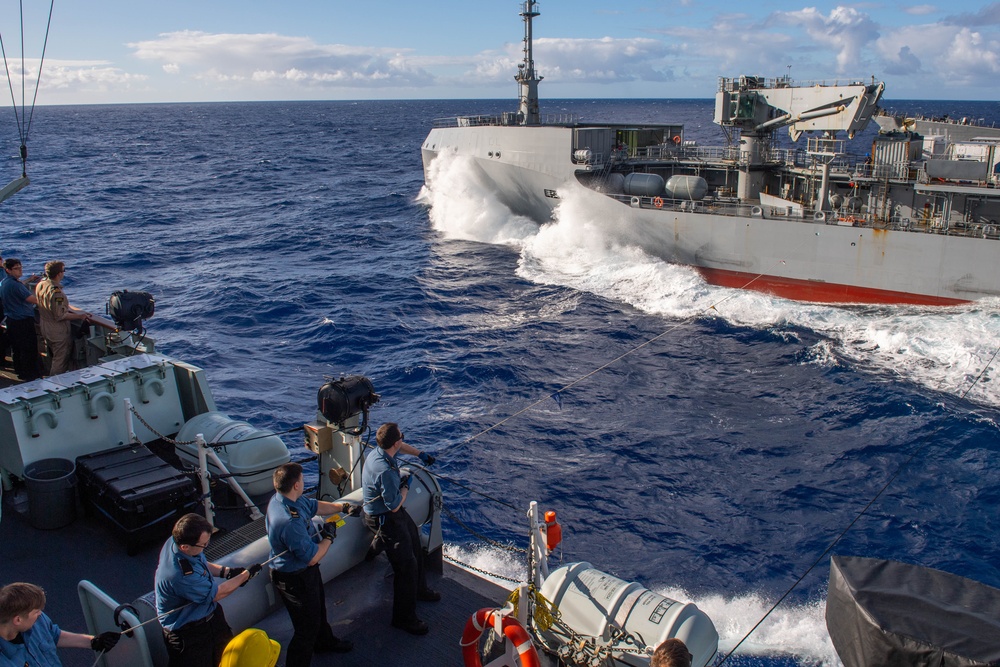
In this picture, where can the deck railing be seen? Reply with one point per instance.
(797, 215)
(506, 119)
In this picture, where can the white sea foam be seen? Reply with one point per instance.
(792, 630)
(599, 251)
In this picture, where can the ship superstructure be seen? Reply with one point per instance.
(907, 219)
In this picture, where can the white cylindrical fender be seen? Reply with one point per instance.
(590, 601)
(251, 460)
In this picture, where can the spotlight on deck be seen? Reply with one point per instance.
(339, 400)
(129, 309)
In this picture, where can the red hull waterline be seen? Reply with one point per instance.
(819, 292)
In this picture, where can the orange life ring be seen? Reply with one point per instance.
(677, 139)
(657, 202)
(512, 630)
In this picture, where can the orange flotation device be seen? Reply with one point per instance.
(512, 630)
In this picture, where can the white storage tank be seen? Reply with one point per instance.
(681, 186)
(590, 601)
(251, 460)
(644, 185)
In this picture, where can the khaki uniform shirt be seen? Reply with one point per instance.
(53, 306)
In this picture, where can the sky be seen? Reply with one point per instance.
(134, 51)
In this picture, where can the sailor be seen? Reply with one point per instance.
(671, 653)
(19, 307)
(297, 547)
(56, 314)
(187, 596)
(29, 637)
(384, 493)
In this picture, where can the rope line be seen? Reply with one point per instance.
(829, 548)
(839, 537)
(981, 374)
(690, 318)
(25, 117)
(471, 490)
(493, 543)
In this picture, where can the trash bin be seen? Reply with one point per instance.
(51, 487)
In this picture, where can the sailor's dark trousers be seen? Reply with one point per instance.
(303, 596)
(199, 643)
(401, 539)
(24, 348)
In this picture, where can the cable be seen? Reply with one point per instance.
(555, 395)
(829, 548)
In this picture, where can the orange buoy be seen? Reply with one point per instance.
(512, 630)
(553, 531)
(657, 202)
(677, 139)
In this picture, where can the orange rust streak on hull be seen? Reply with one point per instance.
(807, 290)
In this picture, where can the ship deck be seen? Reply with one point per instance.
(359, 602)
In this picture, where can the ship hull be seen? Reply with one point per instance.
(828, 260)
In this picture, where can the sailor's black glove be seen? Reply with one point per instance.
(328, 531)
(230, 572)
(254, 571)
(426, 458)
(105, 641)
(352, 510)
(404, 481)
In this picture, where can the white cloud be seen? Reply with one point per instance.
(845, 30)
(280, 59)
(563, 60)
(733, 45)
(72, 75)
(949, 56)
(920, 10)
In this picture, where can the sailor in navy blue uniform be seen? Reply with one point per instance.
(384, 493)
(297, 547)
(29, 637)
(187, 595)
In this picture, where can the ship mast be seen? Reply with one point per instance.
(526, 77)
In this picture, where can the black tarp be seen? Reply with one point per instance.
(884, 613)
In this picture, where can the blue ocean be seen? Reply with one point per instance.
(708, 443)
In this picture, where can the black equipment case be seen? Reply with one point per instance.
(136, 491)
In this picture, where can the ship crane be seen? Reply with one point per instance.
(758, 107)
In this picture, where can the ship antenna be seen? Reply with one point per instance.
(526, 78)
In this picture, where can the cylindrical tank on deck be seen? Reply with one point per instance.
(583, 156)
(681, 186)
(614, 184)
(644, 185)
(853, 204)
(591, 601)
(251, 458)
(836, 200)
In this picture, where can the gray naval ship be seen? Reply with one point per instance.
(917, 221)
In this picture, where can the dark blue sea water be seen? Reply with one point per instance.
(715, 461)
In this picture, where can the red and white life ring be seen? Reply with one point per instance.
(512, 630)
(658, 202)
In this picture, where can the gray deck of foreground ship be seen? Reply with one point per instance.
(359, 602)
